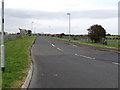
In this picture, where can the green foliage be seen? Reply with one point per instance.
(96, 33)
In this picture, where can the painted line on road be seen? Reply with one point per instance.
(55, 75)
(60, 49)
(85, 56)
(53, 45)
(76, 55)
(49, 42)
(115, 63)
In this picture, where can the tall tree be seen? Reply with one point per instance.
(96, 33)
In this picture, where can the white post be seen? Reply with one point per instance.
(2, 40)
(69, 25)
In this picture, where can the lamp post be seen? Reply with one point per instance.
(69, 24)
(32, 26)
(50, 29)
(2, 40)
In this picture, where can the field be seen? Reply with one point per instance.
(17, 61)
(113, 41)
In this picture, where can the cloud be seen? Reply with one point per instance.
(96, 14)
(36, 14)
(81, 20)
(61, 5)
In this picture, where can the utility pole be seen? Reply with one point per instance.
(2, 40)
(69, 24)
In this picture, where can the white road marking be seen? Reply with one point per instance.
(49, 42)
(85, 56)
(94, 58)
(76, 55)
(55, 75)
(60, 49)
(53, 45)
(115, 63)
(42, 74)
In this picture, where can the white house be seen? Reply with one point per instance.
(25, 32)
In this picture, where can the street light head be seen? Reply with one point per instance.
(68, 14)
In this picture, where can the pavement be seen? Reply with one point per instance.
(58, 64)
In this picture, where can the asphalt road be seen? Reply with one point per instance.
(58, 64)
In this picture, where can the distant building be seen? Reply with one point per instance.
(25, 32)
(5, 33)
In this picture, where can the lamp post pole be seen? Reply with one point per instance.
(2, 40)
(50, 29)
(69, 24)
(32, 26)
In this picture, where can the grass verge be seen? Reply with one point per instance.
(93, 44)
(17, 61)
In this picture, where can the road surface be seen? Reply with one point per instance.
(58, 64)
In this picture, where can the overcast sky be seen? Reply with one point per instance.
(50, 16)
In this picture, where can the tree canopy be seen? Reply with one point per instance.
(96, 33)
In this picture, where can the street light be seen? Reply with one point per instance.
(2, 40)
(69, 25)
(32, 26)
(50, 29)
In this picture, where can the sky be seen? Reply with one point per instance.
(50, 16)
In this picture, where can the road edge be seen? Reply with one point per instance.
(30, 72)
(115, 50)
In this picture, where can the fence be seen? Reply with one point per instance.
(79, 38)
(9, 37)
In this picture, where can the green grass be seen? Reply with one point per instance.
(0, 80)
(112, 36)
(114, 43)
(111, 43)
(17, 61)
